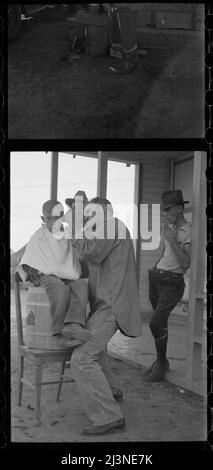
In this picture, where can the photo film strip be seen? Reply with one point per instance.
(209, 212)
(5, 432)
(4, 181)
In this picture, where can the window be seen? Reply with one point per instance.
(120, 191)
(74, 174)
(30, 187)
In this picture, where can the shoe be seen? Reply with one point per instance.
(128, 67)
(115, 426)
(66, 55)
(67, 343)
(125, 68)
(159, 371)
(149, 369)
(76, 331)
(118, 396)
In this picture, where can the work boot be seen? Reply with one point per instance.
(67, 343)
(114, 426)
(149, 369)
(159, 371)
(76, 331)
(162, 366)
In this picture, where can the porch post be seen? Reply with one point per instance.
(54, 175)
(195, 342)
(138, 201)
(102, 175)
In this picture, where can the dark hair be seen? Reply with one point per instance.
(102, 201)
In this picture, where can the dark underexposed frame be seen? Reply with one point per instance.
(21, 453)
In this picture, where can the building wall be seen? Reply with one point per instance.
(171, 16)
(183, 179)
(155, 180)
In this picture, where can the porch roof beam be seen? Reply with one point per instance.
(54, 175)
(135, 157)
(102, 175)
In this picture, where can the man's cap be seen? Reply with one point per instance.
(52, 208)
(80, 194)
(101, 201)
(172, 198)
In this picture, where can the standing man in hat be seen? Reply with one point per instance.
(166, 278)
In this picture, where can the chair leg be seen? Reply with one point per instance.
(38, 382)
(20, 377)
(61, 380)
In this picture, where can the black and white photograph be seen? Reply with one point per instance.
(108, 304)
(106, 71)
(104, 188)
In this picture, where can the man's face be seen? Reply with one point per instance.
(96, 213)
(172, 214)
(50, 221)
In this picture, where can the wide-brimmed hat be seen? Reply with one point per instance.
(80, 194)
(172, 198)
(52, 208)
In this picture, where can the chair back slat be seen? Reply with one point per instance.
(18, 312)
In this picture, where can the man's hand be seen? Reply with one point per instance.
(170, 233)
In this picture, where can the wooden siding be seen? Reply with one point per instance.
(155, 180)
(183, 179)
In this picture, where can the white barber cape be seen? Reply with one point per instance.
(50, 256)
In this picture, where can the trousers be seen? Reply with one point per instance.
(94, 378)
(165, 291)
(128, 31)
(68, 300)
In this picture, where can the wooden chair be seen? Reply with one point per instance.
(38, 357)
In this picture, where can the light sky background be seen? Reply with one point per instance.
(30, 187)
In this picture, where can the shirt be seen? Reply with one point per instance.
(169, 261)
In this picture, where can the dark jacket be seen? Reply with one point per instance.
(112, 279)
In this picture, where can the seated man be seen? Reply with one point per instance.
(49, 261)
